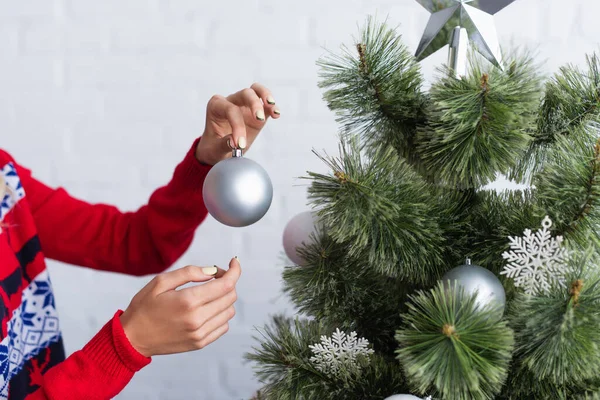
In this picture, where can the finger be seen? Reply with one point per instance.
(235, 269)
(224, 144)
(250, 99)
(173, 279)
(214, 335)
(265, 94)
(217, 288)
(224, 109)
(215, 322)
(220, 272)
(210, 310)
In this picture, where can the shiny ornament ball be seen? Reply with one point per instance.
(403, 397)
(475, 278)
(237, 191)
(297, 233)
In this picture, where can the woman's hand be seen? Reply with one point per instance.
(235, 121)
(164, 320)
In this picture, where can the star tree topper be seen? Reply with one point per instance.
(476, 16)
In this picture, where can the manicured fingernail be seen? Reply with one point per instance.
(229, 143)
(210, 270)
(276, 111)
(270, 100)
(260, 115)
(242, 142)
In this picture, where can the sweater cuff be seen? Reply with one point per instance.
(113, 352)
(191, 173)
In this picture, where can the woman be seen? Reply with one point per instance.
(37, 221)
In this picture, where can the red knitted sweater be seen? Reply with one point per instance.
(37, 221)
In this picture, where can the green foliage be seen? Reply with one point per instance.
(557, 339)
(571, 101)
(522, 384)
(492, 218)
(452, 348)
(406, 200)
(284, 366)
(479, 126)
(380, 207)
(283, 360)
(374, 88)
(325, 288)
(568, 186)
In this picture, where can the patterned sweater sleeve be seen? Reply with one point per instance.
(99, 371)
(102, 237)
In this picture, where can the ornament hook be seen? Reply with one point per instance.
(235, 151)
(468, 261)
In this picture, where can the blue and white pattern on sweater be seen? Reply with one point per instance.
(15, 190)
(34, 325)
(32, 328)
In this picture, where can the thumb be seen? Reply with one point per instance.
(234, 271)
(234, 263)
(173, 279)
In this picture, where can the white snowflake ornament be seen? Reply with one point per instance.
(338, 352)
(536, 261)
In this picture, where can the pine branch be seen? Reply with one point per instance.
(375, 89)
(571, 101)
(572, 98)
(492, 217)
(480, 125)
(282, 360)
(452, 349)
(557, 336)
(283, 365)
(342, 291)
(568, 187)
(524, 385)
(381, 209)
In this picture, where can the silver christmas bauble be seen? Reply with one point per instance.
(298, 232)
(403, 397)
(237, 191)
(475, 278)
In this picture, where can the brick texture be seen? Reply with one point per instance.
(104, 98)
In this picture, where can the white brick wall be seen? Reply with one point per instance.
(104, 97)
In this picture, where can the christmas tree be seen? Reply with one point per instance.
(388, 303)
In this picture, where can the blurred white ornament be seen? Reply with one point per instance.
(403, 397)
(297, 233)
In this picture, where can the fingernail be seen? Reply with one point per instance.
(260, 115)
(229, 143)
(242, 142)
(270, 100)
(209, 270)
(276, 111)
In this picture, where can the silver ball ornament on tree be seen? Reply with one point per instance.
(237, 191)
(298, 232)
(473, 278)
(403, 397)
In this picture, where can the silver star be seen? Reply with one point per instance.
(476, 17)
